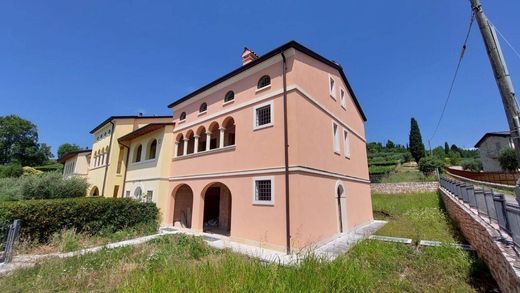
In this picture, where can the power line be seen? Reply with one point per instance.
(505, 40)
(455, 75)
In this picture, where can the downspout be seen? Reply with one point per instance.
(108, 158)
(286, 152)
(126, 168)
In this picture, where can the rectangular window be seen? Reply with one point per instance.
(335, 137)
(120, 160)
(263, 190)
(127, 194)
(149, 196)
(347, 143)
(263, 115)
(116, 191)
(342, 98)
(332, 87)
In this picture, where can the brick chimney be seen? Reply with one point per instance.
(248, 56)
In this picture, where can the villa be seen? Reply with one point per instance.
(271, 154)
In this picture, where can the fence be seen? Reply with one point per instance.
(9, 236)
(506, 178)
(489, 205)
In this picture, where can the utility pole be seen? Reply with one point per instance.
(501, 73)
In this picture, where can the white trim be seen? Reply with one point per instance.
(228, 102)
(346, 143)
(263, 202)
(147, 179)
(336, 143)
(257, 90)
(202, 113)
(271, 170)
(202, 153)
(271, 112)
(332, 91)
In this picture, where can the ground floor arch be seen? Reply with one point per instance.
(217, 209)
(94, 191)
(182, 206)
(341, 205)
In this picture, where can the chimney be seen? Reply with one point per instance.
(248, 56)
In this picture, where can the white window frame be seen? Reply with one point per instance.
(335, 138)
(332, 91)
(145, 198)
(346, 142)
(257, 127)
(343, 98)
(263, 202)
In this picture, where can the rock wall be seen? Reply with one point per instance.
(404, 187)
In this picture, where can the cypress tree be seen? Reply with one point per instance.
(416, 144)
(446, 148)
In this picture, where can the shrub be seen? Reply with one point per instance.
(407, 157)
(44, 186)
(11, 170)
(42, 218)
(472, 165)
(427, 165)
(507, 159)
(28, 171)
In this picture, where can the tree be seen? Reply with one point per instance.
(19, 142)
(455, 148)
(446, 148)
(390, 144)
(507, 159)
(67, 148)
(416, 145)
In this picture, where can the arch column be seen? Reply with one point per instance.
(176, 154)
(196, 144)
(185, 150)
(208, 140)
(221, 140)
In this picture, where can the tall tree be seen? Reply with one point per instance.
(446, 148)
(67, 148)
(390, 144)
(19, 142)
(416, 145)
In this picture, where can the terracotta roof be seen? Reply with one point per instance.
(489, 134)
(69, 155)
(291, 44)
(125, 117)
(143, 130)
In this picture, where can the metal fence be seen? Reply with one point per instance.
(489, 205)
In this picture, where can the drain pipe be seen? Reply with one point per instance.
(286, 152)
(126, 167)
(108, 158)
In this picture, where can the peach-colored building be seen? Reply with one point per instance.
(271, 154)
(76, 163)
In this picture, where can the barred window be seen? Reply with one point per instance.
(263, 115)
(263, 190)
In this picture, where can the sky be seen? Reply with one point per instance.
(68, 65)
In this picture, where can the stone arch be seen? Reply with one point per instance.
(182, 206)
(201, 133)
(216, 217)
(179, 142)
(94, 191)
(214, 129)
(190, 136)
(229, 133)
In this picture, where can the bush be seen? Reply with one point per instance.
(472, 165)
(42, 218)
(11, 170)
(28, 171)
(427, 165)
(507, 159)
(44, 186)
(407, 157)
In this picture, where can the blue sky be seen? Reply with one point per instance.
(68, 65)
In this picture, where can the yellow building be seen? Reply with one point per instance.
(108, 158)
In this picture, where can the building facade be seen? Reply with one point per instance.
(489, 148)
(76, 163)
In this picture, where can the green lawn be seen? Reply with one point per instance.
(181, 263)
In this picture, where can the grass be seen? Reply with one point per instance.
(407, 172)
(180, 263)
(419, 216)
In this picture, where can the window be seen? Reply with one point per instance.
(152, 151)
(342, 98)
(203, 108)
(138, 193)
(127, 193)
(263, 115)
(138, 151)
(149, 196)
(183, 116)
(332, 87)
(346, 138)
(263, 190)
(230, 96)
(116, 191)
(120, 160)
(264, 81)
(335, 136)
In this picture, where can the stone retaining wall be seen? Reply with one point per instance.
(501, 258)
(404, 187)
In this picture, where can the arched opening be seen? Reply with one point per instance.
(152, 150)
(138, 152)
(182, 117)
(230, 96)
(183, 206)
(191, 142)
(201, 133)
(229, 135)
(138, 193)
(264, 81)
(180, 144)
(94, 191)
(217, 209)
(340, 197)
(215, 135)
(203, 107)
